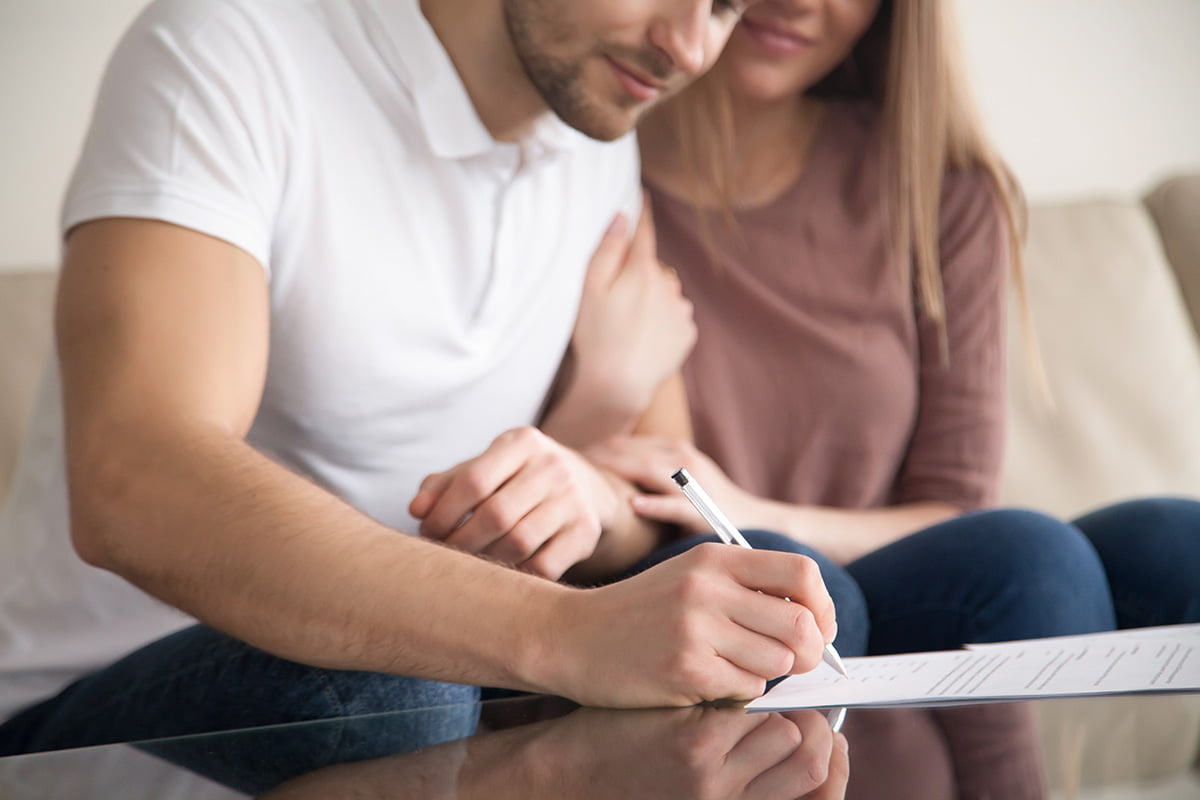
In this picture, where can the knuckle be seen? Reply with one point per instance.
(523, 541)
(692, 673)
(691, 590)
(783, 730)
(524, 436)
(586, 532)
(546, 566)
(557, 466)
(801, 622)
(781, 662)
(806, 647)
(708, 555)
(474, 482)
(807, 570)
(817, 771)
(497, 515)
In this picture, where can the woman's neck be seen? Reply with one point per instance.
(770, 148)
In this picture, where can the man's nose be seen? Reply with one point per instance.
(682, 34)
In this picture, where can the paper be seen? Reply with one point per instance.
(1143, 660)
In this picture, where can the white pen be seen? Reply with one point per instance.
(731, 535)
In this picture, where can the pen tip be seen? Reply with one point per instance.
(834, 660)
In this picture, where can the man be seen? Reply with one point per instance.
(316, 252)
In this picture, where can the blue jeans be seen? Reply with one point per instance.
(986, 576)
(998, 575)
(199, 680)
(1009, 574)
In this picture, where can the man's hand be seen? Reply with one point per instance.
(649, 461)
(526, 501)
(711, 623)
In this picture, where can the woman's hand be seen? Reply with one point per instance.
(634, 327)
(649, 462)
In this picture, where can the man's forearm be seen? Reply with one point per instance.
(218, 530)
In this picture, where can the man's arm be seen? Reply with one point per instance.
(163, 340)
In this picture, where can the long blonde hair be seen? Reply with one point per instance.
(908, 64)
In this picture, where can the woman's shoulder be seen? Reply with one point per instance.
(971, 195)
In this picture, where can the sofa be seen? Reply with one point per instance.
(1114, 288)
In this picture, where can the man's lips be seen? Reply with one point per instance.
(776, 39)
(639, 86)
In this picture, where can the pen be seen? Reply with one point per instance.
(731, 535)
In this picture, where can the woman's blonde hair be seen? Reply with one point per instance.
(908, 64)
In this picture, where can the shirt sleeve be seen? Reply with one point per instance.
(957, 448)
(189, 128)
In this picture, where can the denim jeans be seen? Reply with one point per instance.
(985, 576)
(1009, 574)
(998, 575)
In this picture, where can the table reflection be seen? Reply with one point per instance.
(546, 747)
(523, 749)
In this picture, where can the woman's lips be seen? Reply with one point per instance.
(775, 40)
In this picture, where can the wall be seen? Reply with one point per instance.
(1087, 96)
(1082, 96)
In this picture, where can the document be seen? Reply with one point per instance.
(1165, 659)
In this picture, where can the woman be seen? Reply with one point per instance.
(845, 234)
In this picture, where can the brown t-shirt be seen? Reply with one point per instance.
(814, 380)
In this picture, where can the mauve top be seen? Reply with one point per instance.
(814, 380)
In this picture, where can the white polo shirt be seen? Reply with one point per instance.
(423, 278)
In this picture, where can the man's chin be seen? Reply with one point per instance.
(607, 125)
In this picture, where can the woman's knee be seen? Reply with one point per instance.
(1011, 573)
(1054, 575)
(1150, 549)
(1165, 523)
(1033, 549)
(1025, 539)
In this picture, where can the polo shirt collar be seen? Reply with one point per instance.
(447, 116)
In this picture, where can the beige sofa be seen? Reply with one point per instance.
(1111, 283)
(1115, 290)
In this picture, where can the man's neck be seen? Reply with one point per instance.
(476, 38)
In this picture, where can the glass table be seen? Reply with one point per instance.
(542, 747)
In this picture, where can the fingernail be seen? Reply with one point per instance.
(842, 742)
(617, 226)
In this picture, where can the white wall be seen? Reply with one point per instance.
(51, 56)
(1082, 96)
(1087, 96)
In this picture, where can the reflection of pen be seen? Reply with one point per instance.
(731, 535)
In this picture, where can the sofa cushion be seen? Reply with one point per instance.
(26, 308)
(1175, 206)
(1123, 364)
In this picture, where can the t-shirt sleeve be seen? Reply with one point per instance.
(957, 447)
(189, 128)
